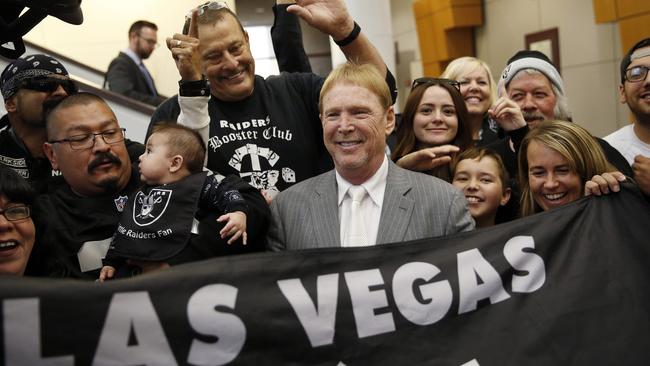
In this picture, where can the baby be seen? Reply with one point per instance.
(158, 220)
(483, 178)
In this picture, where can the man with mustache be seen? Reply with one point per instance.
(633, 140)
(27, 84)
(531, 80)
(76, 221)
(251, 125)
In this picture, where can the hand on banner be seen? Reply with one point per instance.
(185, 51)
(328, 16)
(429, 158)
(604, 183)
(106, 273)
(641, 168)
(235, 226)
(507, 113)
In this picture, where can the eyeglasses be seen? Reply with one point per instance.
(16, 213)
(435, 81)
(49, 84)
(210, 5)
(87, 140)
(636, 74)
(150, 41)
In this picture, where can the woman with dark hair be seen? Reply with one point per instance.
(17, 232)
(434, 127)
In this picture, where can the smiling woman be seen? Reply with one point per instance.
(16, 226)
(556, 160)
(434, 127)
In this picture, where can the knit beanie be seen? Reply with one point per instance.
(527, 59)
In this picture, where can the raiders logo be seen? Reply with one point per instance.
(148, 209)
(120, 202)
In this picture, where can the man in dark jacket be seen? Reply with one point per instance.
(127, 74)
(27, 84)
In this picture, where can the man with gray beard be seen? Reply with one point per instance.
(531, 80)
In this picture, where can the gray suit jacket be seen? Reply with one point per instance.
(416, 206)
(125, 77)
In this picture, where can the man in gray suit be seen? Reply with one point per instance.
(395, 204)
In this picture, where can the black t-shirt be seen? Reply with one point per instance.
(66, 222)
(271, 139)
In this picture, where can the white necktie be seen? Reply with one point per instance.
(356, 235)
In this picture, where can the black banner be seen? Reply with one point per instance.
(566, 287)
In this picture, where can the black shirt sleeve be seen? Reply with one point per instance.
(222, 197)
(286, 36)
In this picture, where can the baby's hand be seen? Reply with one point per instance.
(106, 273)
(235, 226)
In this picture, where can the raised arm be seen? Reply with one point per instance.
(332, 17)
(286, 36)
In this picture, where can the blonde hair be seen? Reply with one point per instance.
(366, 76)
(574, 143)
(462, 66)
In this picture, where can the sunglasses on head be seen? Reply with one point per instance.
(435, 81)
(49, 85)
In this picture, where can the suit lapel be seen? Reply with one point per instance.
(397, 207)
(325, 212)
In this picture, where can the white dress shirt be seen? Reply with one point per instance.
(371, 205)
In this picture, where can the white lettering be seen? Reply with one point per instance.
(471, 268)
(365, 301)
(228, 328)
(318, 321)
(437, 296)
(133, 313)
(526, 262)
(22, 335)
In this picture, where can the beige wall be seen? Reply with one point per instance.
(104, 33)
(408, 61)
(590, 52)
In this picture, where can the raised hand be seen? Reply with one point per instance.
(328, 16)
(185, 51)
(507, 114)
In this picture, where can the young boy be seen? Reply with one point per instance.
(482, 177)
(159, 219)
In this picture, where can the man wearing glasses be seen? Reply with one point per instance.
(633, 141)
(76, 221)
(127, 74)
(27, 84)
(257, 128)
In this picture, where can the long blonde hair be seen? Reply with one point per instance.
(574, 143)
(463, 66)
